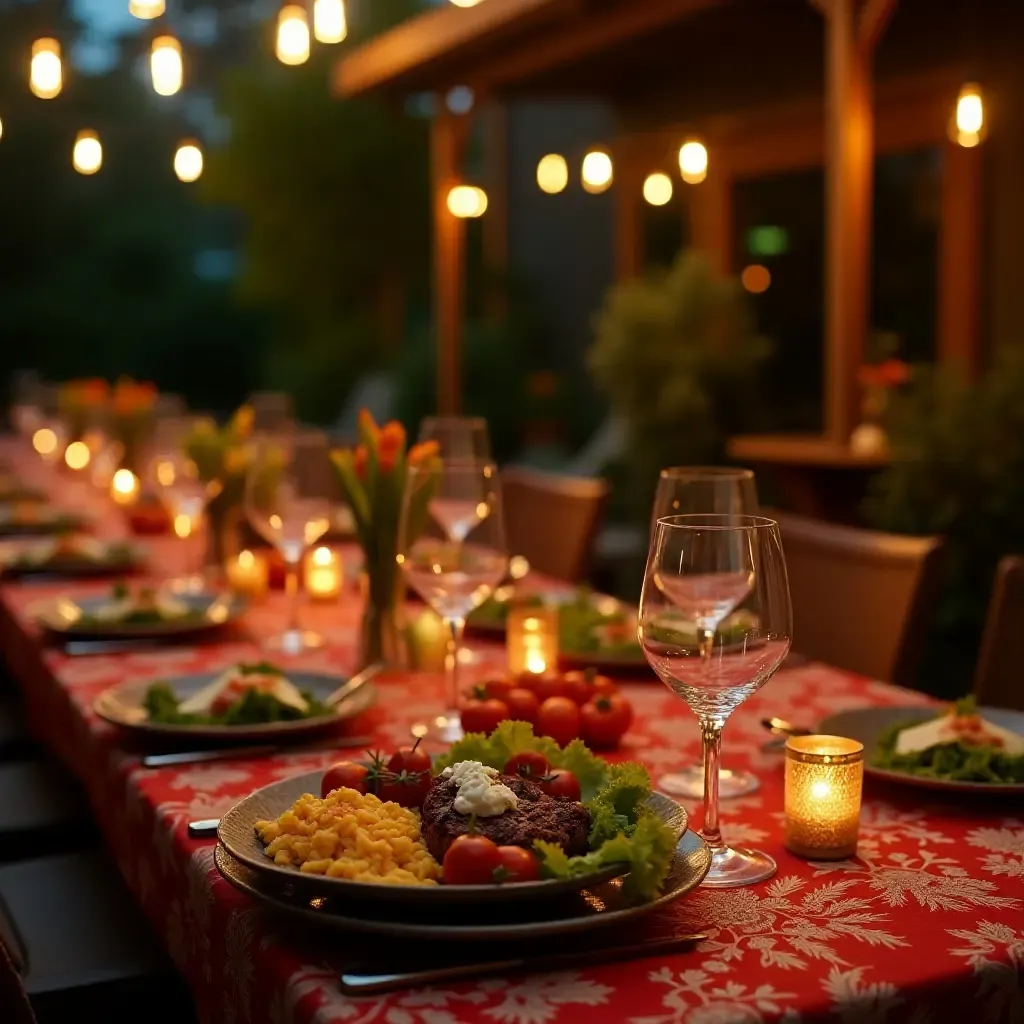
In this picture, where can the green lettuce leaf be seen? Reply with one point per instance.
(495, 750)
(620, 803)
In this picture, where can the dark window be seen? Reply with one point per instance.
(664, 230)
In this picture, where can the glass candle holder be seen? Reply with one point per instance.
(427, 642)
(248, 573)
(532, 640)
(124, 488)
(824, 779)
(323, 574)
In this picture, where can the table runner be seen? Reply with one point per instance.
(925, 924)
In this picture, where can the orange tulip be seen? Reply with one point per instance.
(420, 453)
(392, 441)
(360, 458)
(368, 426)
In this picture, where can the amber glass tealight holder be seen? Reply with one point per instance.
(531, 639)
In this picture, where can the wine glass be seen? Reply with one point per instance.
(291, 499)
(690, 490)
(457, 437)
(701, 569)
(451, 543)
(272, 411)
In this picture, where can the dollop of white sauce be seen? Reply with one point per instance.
(478, 793)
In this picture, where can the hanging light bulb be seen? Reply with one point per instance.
(188, 160)
(597, 172)
(693, 162)
(329, 22)
(1, 129)
(465, 3)
(292, 35)
(87, 156)
(657, 188)
(968, 126)
(467, 201)
(165, 65)
(552, 173)
(45, 75)
(146, 9)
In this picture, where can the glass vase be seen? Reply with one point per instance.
(382, 637)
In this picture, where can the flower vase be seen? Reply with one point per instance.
(382, 638)
(223, 532)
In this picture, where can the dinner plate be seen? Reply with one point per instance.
(124, 705)
(62, 616)
(16, 522)
(598, 905)
(237, 833)
(111, 559)
(869, 725)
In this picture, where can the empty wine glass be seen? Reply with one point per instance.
(291, 499)
(700, 570)
(690, 490)
(451, 543)
(272, 411)
(457, 437)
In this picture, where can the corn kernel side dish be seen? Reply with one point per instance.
(351, 835)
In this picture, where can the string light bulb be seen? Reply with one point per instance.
(146, 9)
(292, 35)
(188, 160)
(46, 76)
(467, 201)
(465, 3)
(658, 188)
(968, 127)
(552, 173)
(329, 22)
(1, 128)
(693, 162)
(597, 172)
(165, 65)
(87, 156)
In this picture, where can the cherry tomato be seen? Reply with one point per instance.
(344, 775)
(517, 865)
(583, 686)
(551, 684)
(529, 765)
(471, 860)
(408, 789)
(604, 720)
(559, 718)
(483, 715)
(562, 785)
(523, 705)
(528, 681)
(409, 759)
(497, 688)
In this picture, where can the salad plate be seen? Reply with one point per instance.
(70, 555)
(155, 706)
(877, 729)
(26, 519)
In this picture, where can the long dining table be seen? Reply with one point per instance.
(926, 923)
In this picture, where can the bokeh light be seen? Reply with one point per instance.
(693, 162)
(552, 173)
(597, 172)
(658, 189)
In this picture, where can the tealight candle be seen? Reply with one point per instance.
(427, 640)
(532, 640)
(124, 487)
(824, 777)
(323, 574)
(248, 573)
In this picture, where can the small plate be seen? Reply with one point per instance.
(237, 833)
(869, 725)
(16, 559)
(597, 906)
(16, 521)
(123, 705)
(62, 616)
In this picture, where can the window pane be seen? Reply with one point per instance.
(665, 232)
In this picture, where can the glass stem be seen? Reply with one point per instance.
(456, 627)
(711, 732)
(292, 590)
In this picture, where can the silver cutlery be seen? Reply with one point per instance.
(249, 753)
(780, 727)
(346, 689)
(203, 829)
(360, 983)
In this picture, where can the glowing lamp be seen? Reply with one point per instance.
(824, 777)
(45, 73)
(693, 162)
(467, 201)
(77, 455)
(597, 172)
(248, 573)
(124, 487)
(146, 9)
(968, 127)
(465, 3)
(658, 189)
(329, 22)
(1, 129)
(532, 640)
(756, 278)
(87, 156)
(324, 574)
(165, 65)
(44, 441)
(552, 173)
(188, 161)
(292, 35)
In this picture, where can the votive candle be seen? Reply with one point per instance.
(248, 573)
(532, 640)
(124, 487)
(824, 780)
(323, 574)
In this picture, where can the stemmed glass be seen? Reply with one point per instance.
(291, 499)
(691, 490)
(700, 569)
(272, 411)
(457, 437)
(451, 543)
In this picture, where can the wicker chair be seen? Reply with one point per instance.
(997, 679)
(860, 598)
(552, 520)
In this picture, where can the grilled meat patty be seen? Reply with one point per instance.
(538, 816)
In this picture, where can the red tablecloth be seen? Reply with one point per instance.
(925, 925)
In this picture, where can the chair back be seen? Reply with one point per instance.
(861, 598)
(552, 520)
(998, 679)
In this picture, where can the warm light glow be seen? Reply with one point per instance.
(87, 156)
(465, 3)
(657, 189)
(970, 114)
(532, 640)
(1, 128)
(188, 161)
(467, 201)
(165, 65)
(693, 162)
(124, 487)
(329, 22)
(45, 73)
(165, 473)
(77, 455)
(249, 574)
(552, 173)
(292, 35)
(44, 441)
(182, 525)
(756, 279)
(323, 574)
(597, 171)
(146, 9)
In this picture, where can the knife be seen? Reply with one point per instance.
(347, 689)
(246, 753)
(365, 983)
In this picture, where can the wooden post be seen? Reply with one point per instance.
(447, 138)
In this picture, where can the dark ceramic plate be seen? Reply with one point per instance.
(110, 559)
(43, 522)
(237, 833)
(869, 725)
(597, 906)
